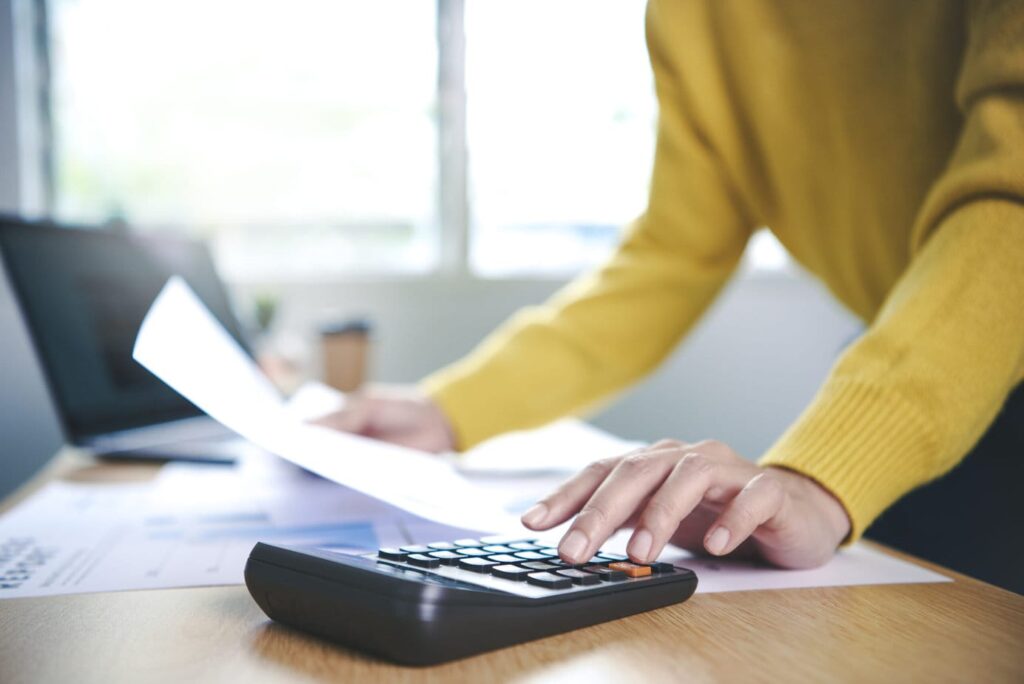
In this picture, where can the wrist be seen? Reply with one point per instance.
(832, 513)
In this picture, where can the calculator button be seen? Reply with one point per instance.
(530, 555)
(578, 576)
(446, 557)
(539, 565)
(504, 558)
(476, 564)
(415, 549)
(605, 573)
(662, 567)
(612, 556)
(470, 551)
(467, 542)
(498, 548)
(523, 546)
(511, 572)
(421, 561)
(392, 554)
(546, 579)
(632, 569)
(441, 546)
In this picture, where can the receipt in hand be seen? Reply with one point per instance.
(183, 344)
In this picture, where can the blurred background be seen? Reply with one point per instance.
(427, 166)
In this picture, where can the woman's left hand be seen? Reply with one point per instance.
(700, 497)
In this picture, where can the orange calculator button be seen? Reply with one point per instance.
(631, 569)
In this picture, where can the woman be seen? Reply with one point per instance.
(883, 144)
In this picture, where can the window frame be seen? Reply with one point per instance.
(27, 130)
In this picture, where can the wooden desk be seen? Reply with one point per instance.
(960, 631)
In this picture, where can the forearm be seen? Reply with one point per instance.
(907, 401)
(607, 329)
(599, 334)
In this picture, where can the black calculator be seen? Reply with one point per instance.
(430, 603)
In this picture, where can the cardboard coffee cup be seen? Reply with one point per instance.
(346, 352)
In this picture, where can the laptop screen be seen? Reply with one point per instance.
(83, 294)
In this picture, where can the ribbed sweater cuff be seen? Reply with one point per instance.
(864, 443)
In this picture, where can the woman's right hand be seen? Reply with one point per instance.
(398, 414)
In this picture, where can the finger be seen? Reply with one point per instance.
(756, 504)
(615, 500)
(695, 477)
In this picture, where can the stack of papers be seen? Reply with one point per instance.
(193, 526)
(196, 524)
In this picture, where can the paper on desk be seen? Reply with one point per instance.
(194, 527)
(183, 344)
(857, 565)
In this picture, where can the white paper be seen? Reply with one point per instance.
(562, 447)
(857, 565)
(183, 344)
(853, 566)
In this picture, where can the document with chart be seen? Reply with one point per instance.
(193, 526)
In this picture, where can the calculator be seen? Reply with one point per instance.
(430, 603)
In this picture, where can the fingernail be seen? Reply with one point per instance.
(640, 545)
(535, 516)
(573, 546)
(717, 540)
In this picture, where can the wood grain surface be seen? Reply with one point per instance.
(960, 631)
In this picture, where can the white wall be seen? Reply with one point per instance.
(745, 373)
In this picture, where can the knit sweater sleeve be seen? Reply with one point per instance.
(609, 327)
(907, 401)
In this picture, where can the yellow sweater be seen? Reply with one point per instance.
(883, 144)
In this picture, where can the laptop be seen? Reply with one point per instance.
(83, 293)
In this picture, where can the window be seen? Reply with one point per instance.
(302, 138)
(561, 124)
(299, 136)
